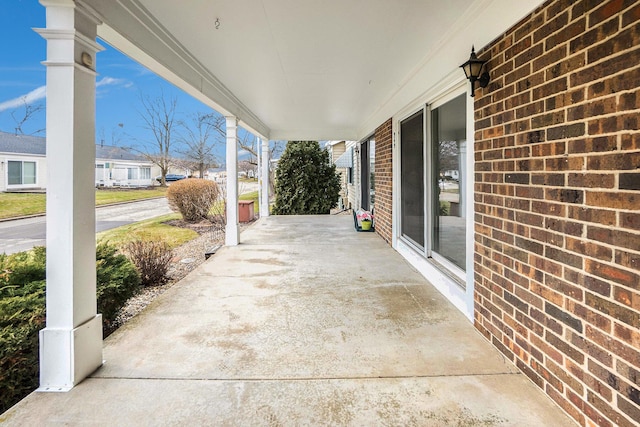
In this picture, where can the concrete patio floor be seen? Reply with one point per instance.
(307, 322)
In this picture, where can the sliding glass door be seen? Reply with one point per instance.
(433, 177)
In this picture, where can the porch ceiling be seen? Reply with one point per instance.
(289, 69)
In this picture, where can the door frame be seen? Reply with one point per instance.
(444, 279)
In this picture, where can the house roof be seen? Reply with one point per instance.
(22, 144)
(36, 145)
(109, 152)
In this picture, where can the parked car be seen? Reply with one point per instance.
(170, 177)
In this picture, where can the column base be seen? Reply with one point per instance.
(67, 356)
(231, 235)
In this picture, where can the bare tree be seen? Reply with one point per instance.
(184, 165)
(117, 134)
(448, 153)
(30, 110)
(249, 144)
(158, 116)
(248, 168)
(200, 138)
(247, 141)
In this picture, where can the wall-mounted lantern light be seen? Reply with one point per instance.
(473, 69)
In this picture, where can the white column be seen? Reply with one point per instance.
(232, 232)
(259, 171)
(71, 343)
(264, 179)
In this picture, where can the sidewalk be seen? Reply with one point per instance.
(307, 322)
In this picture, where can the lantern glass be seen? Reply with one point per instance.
(475, 68)
(466, 67)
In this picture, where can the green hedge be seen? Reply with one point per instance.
(22, 311)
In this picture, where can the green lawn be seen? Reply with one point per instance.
(20, 204)
(150, 229)
(106, 197)
(155, 229)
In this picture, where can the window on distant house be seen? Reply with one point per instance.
(145, 173)
(132, 173)
(21, 173)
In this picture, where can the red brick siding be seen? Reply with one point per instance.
(384, 180)
(557, 205)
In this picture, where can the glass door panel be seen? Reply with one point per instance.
(364, 175)
(449, 133)
(412, 194)
(15, 173)
(29, 172)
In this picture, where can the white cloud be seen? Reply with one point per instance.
(41, 93)
(110, 81)
(31, 97)
(101, 85)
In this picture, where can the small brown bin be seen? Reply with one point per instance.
(245, 210)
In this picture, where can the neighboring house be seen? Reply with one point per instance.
(357, 166)
(23, 165)
(343, 166)
(22, 162)
(219, 175)
(336, 150)
(117, 167)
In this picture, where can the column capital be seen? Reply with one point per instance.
(78, 5)
(68, 34)
(58, 3)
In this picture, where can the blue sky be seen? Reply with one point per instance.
(120, 83)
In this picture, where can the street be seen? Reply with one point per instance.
(23, 234)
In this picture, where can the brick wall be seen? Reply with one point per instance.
(384, 180)
(557, 205)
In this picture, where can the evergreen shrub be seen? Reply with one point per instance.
(306, 181)
(22, 311)
(117, 281)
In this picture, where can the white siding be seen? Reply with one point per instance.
(41, 171)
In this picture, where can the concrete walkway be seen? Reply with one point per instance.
(306, 323)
